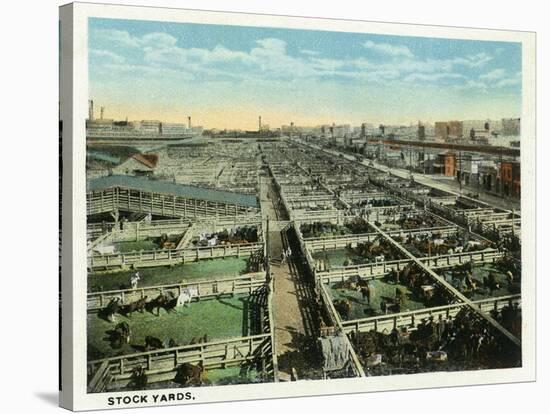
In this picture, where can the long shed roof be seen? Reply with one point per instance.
(167, 187)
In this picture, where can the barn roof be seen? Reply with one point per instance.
(167, 187)
(149, 160)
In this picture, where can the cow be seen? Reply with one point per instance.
(109, 249)
(161, 301)
(152, 342)
(123, 331)
(343, 307)
(111, 309)
(187, 295)
(190, 374)
(138, 305)
(379, 259)
(139, 379)
(491, 282)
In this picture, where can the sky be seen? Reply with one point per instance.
(226, 76)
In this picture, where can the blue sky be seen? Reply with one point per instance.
(225, 76)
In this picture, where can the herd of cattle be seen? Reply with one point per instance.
(239, 235)
(443, 341)
(186, 373)
(423, 288)
(167, 301)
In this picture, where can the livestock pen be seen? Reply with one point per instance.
(232, 337)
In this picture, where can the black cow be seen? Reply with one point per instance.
(189, 374)
(109, 311)
(138, 305)
(152, 342)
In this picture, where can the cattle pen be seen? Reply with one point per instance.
(297, 264)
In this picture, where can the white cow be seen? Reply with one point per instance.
(472, 245)
(110, 249)
(187, 295)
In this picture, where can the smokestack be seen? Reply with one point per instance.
(260, 123)
(189, 122)
(102, 110)
(91, 110)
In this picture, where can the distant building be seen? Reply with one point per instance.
(169, 128)
(445, 164)
(150, 127)
(510, 178)
(468, 166)
(449, 130)
(99, 125)
(511, 126)
(421, 133)
(138, 164)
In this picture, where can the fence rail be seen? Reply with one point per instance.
(161, 364)
(161, 257)
(412, 318)
(136, 201)
(335, 242)
(342, 273)
(206, 288)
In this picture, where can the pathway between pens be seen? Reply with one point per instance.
(293, 305)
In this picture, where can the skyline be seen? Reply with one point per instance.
(225, 76)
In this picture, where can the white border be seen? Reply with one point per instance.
(80, 400)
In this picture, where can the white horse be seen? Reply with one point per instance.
(187, 295)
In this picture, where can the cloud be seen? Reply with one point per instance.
(472, 84)
(473, 61)
(269, 59)
(106, 56)
(124, 39)
(117, 37)
(158, 40)
(493, 75)
(388, 49)
(432, 77)
(309, 52)
(509, 82)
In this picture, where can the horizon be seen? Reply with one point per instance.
(228, 75)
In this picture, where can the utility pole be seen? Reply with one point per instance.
(460, 171)
(500, 173)
(424, 155)
(410, 161)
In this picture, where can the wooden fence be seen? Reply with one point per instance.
(136, 201)
(410, 319)
(161, 257)
(335, 320)
(160, 365)
(370, 270)
(206, 289)
(338, 242)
